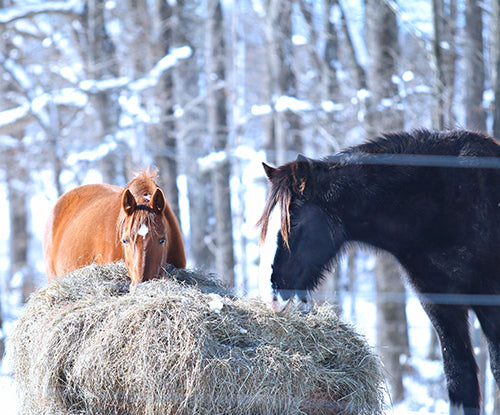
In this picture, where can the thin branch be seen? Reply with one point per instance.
(11, 14)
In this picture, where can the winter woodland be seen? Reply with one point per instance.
(94, 90)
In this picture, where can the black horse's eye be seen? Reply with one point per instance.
(162, 241)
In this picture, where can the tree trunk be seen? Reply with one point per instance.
(475, 114)
(495, 59)
(191, 138)
(163, 135)
(218, 132)
(443, 63)
(439, 80)
(284, 136)
(392, 328)
(329, 80)
(101, 64)
(383, 113)
(19, 234)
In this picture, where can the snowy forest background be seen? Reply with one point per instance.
(204, 90)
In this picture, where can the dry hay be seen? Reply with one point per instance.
(86, 345)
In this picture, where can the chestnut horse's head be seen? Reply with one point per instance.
(142, 229)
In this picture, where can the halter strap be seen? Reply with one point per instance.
(145, 207)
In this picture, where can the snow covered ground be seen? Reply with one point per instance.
(8, 395)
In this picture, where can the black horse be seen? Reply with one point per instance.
(432, 199)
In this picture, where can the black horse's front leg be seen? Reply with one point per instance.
(460, 368)
(489, 317)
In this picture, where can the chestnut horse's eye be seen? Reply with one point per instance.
(161, 241)
(125, 241)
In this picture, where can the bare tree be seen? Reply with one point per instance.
(475, 114)
(18, 214)
(382, 44)
(163, 135)
(495, 66)
(443, 62)
(218, 132)
(102, 64)
(284, 131)
(190, 122)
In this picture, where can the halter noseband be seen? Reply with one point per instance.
(145, 207)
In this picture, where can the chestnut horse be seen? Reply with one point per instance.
(101, 223)
(432, 199)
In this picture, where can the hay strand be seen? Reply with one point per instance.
(86, 345)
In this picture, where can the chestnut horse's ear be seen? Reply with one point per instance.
(302, 172)
(158, 201)
(269, 170)
(128, 202)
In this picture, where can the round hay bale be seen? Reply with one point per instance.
(88, 345)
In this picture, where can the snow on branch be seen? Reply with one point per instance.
(212, 160)
(12, 115)
(6, 141)
(11, 119)
(167, 62)
(11, 14)
(149, 80)
(69, 97)
(288, 103)
(17, 72)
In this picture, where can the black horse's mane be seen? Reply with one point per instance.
(284, 183)
(412, 142)
(423, 141)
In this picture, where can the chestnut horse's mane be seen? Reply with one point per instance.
(142, 188)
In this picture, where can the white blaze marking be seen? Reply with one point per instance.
(143, 230)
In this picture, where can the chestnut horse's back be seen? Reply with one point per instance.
(82, 222)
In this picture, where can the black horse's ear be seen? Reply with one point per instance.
(128, 202)
(302, 172)
(269, 170)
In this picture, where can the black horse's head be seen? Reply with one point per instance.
(310, 237)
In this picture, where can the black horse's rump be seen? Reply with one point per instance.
(432, 199)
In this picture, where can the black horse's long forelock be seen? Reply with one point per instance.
(280, 194)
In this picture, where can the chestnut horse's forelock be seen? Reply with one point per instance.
(143, 215)
(280, 194)
(143, 186)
